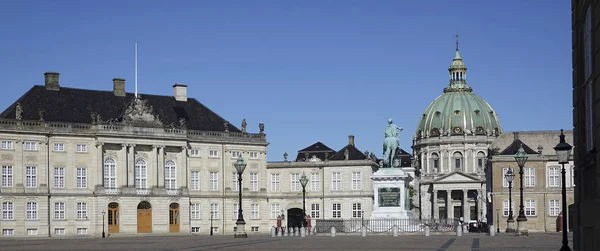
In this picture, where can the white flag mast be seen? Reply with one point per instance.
(136, 77)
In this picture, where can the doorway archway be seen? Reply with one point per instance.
(174, 218)
(113, 217)
(144, 217)
(295, 217)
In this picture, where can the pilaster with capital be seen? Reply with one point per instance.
(130, 165)
(434, 208)
(184, 165)
(161, 166)
(100, 161)
(466, 209)
(449, 206)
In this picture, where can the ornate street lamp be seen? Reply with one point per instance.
(240, 165)
(521, 158)
(563, 151)
(510, 176)
(103, 234)
(303, 182)
(211, 222)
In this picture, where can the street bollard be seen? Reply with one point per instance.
(279, 231)
(273, 232)
(395, 230)
(363, 231)
(332, 231)
(296, 231)
(492, 230)
(459, 230)
(303, 232)
(287, 232)
(427, 231)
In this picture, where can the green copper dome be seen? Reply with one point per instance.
(458, 111)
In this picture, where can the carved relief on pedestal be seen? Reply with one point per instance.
(6, 157)
(141, 155)
(31, 158)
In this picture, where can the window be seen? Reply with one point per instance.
(195, 230)
(254, 213)
(195, 180)
(31, 210)
(7, 232)
(7, 144)
(295, 182)
(356, 210)
(59, 147)
(30, 145)
(141, 174)
(530, 208)
(315, 211)
(81, 231)
(435, 161)
(253, 182)
(81, 177)
(315, 184)
(529, 177)
(504, 181)
(254, 229)
(194, 153)
(214, 211)
(110, 173)
(275, 182)
(554, 207)
(457, 160)
(213, 153)
(81, 211)
(554, 176)
(59, 210)
(195, 211)
(81, 148)
(7, 176)
(235, 182)
(336, 210)
(8, 211)
(274, 211)
(30, 176)
(505, 208)
(235, 208)
(214, 181)
(356, 180)
(480, 160)
(253, 155)
(59, 177)
(170, 175)
(32, 231)
(59, 231)
(235, 154)
(336, 181)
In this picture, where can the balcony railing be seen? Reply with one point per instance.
(112, 191)
(143, 191)
(174, 191)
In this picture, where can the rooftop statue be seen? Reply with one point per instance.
(391, 143)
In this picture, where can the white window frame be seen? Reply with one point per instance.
(195, 211)
(235, 154)
(336, 210)
(235, 184)
(8, 210)
(81, 209)
(59, 147)
(504, 181)
(315, 181)
(553, 207)
(30, 176)
(140, 174)
(81, 231)
(315, 211)
(59, 211)
(30, 146)
(195, 230)
(295, 182)
(275, 211)
(235, 208)
(31, 210)
(357, 180)
(213, 153)
(59, 177)
(357, 210)
(275, 182)
(170, 174)
(529, 176)
(8, 232)
(32, 231)
(81, 148)
(505, 209)
(7, 145)
(255, 212)
(195, 180)
(7, 176)
(214, 210)
(530, 208)
(194, 153)
(110, 173)
(336, 181)
(572, 175)
(253, 182)
(81, 177)
(253, 155)
(254, 229)
(554, 176)
(213, 181)
(60, 231)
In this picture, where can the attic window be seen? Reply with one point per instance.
(477, 112)
(424, 115)
(435, 132)
(456, 112)
(491, 112)
(437, 113)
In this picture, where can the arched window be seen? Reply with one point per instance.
(141, 174)
(170, 175)
(458, 160)
(480, 160)
(110, 173)
(435, 162)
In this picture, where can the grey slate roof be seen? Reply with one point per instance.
(317, 149)
(547, 139)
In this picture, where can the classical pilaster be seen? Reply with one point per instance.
(131, 165)
(449, 206)
(466, 209)
(449, 167)
(155, 159)
(434, 208)
(184, 162)
(122, 167)
(100, 158)
(474, 156)
(161, 166)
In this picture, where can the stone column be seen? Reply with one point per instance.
(100, 158)
(160, 168)
(449, 206)
(122, 177)
(466, 208)
(449, 161)
(184, 166)
(481, 209)
(434, 209)
(131, 166)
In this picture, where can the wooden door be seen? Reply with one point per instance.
(113, 217)
(144, 217)
(174, 218)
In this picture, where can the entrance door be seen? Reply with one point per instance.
(113, 217)
(295, 217)
(144, 217)
(174, 218)
(458, 212)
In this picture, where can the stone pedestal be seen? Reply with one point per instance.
(391, 194)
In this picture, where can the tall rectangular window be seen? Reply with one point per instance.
(31, 209)
(8, 210)
(170, 175)
(31, 176)
(505, 207)
(315, 211)
(357, 210)
(110, 173)
(356, 180)
(214, 210)
(315, 184)
(195, 211)
(554, 207)
(253, 182)
(336, 181)
(195, 180)
(275, 209)
(214, 181)
(295, 182)
(254, 212)
(81, 177)
(141, 174)
(235, 212)
(59, 210)
(59, 177)
(336, 210)
(529, 176)
(554, 176)
(235, 182)
(81, 210)
(275, 182)
(504, 181)
(30, 145)
(7, 176)
(530, 208)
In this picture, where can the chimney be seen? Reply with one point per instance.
(516, 135)
(51, 81)
(180, 92)
(119, 87)
(351, 140)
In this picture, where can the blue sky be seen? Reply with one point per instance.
(310, 70)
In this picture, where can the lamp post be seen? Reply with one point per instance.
(563, 151)
(303, 182)
(521, 158)
(510, 176)
(103, 234)
(211, 225)
(498, 220)
(240, 165)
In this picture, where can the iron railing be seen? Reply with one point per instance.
(383, 225)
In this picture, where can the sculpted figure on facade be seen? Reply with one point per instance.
(391, 143)
(244, 124)
(18, 111)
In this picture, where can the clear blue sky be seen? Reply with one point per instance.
(310, 70)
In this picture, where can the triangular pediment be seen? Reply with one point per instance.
(457, 177)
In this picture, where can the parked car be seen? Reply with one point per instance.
(477, 227)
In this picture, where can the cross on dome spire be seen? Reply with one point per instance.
(458, 73)
(457, 41)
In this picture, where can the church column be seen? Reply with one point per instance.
(100, 158)
(130, 166)
(449, 161)
(160, 168)
(434, 208)
(481, 208)
(449, 206)
(466, 207)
